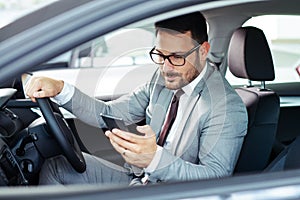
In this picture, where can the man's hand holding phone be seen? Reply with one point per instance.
(137, 150)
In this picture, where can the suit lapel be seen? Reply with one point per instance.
(184, 133)
(160, 110)
(181, 138)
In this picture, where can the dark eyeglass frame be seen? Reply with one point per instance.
(184, 56)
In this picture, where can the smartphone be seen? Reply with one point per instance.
(115, 122)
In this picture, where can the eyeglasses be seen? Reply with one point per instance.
(173, 58)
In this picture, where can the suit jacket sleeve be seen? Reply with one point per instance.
(131, 108)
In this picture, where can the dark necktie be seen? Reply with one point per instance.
(170, 118)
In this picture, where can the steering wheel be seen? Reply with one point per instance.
(62, 133)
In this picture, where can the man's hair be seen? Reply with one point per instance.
(194, 22)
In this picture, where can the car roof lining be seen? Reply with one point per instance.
(219, 39)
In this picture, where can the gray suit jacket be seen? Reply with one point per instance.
(208, 140)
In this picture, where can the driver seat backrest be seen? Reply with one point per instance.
(249, 57)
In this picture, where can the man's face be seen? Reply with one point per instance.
(177, 77)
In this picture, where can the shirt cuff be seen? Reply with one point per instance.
(65, 95)
(154, 163)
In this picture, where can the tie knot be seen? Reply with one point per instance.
(177, 95)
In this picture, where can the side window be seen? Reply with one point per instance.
(126, 47)
(283, 35)
(108, 66)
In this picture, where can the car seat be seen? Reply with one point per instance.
(249, 57)
(287, 159)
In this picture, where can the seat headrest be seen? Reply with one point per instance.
(249, 55)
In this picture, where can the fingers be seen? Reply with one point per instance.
(32, 86)
(121, 139)
(33, 99)
(121, 150)
(126, 136)
(132, 142)
(146, 130)
(135, 149)
(117, 147)
(39, 94)
(39, 87)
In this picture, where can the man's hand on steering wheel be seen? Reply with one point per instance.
(39, 89)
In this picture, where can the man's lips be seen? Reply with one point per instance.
(171, 76)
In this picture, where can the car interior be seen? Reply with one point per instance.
(28, 129)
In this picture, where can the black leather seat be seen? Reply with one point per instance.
(249, 57)
(287, 159)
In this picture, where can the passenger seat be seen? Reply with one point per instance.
(249, 57)
(287, 159)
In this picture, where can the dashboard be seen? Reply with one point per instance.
(23, 149)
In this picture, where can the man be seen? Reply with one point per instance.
(205, 138)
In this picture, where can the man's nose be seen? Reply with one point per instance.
(167, 65)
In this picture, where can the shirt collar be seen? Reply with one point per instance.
(189, 88)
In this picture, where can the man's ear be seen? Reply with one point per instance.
(204, 49)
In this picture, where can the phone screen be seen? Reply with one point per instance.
(115, 122)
